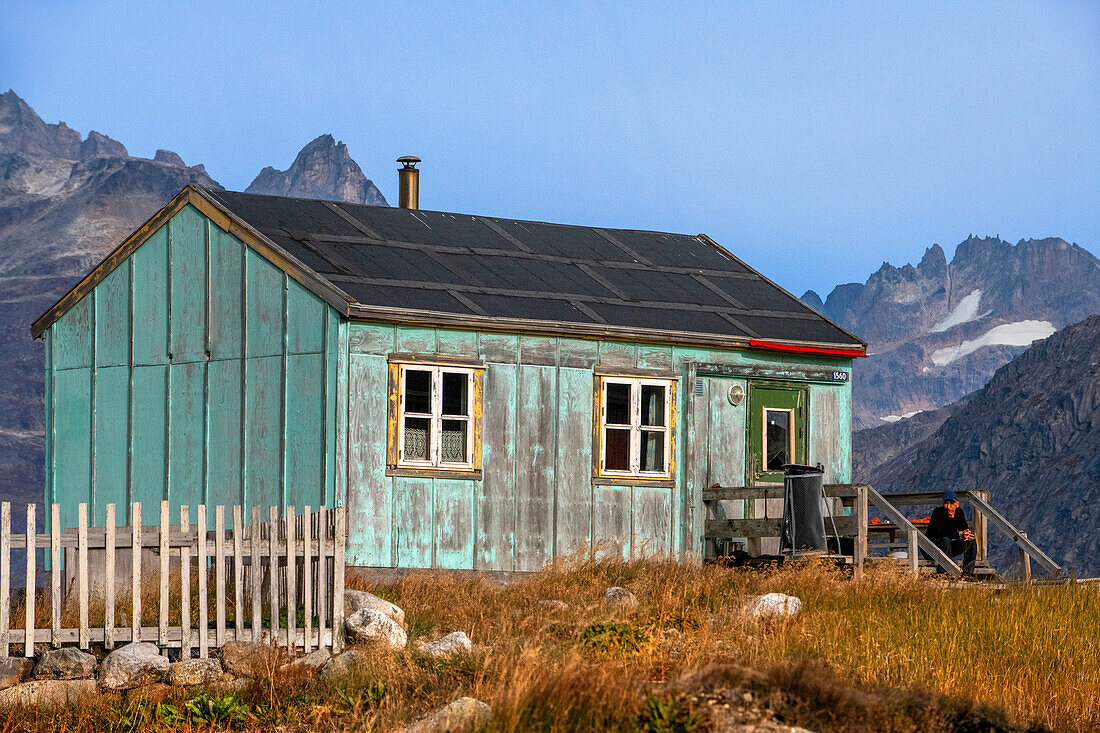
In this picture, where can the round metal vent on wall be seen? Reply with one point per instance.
(735, 394)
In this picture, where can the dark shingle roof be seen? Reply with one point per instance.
(501, 268)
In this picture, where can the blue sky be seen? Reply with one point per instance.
(815, 140)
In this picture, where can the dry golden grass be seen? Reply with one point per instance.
(1031, 652)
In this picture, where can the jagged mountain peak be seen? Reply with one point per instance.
(323, 169)
(98, 145)
(23, 132)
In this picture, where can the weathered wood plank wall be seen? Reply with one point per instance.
(196, 372)
(536, 499)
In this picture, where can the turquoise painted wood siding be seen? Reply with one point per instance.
(537, 500)
(196, 372)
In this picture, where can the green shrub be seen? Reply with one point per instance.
(666, 717)
(224, 710)
(617, 639)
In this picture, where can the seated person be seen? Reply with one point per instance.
(948, 529)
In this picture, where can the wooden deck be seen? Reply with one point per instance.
(849, 507)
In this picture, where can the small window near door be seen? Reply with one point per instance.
(777, 439)
(633, 427)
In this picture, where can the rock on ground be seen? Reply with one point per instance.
(461, 715)
(554, 605)
(357, 600)
(454, 643)
(767, 726)
(133, 665)
(65, 664)
(616, 597)
(47, 693)
(195, 672)
(775, 605)
(249, 658)
(343, 664)
(14, 670)
(369, 626)
(308, 663)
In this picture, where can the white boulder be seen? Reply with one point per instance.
(343, 664)
(133, 665)
(65, 664)
(454, 643)
(14, 670)
(463, 714)
(357, 600)
(195, 672)
(616, 597)
(369, 626)
(47, 693)
(775, 605)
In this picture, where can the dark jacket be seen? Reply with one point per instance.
(941, 525)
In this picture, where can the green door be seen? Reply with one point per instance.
(778, 430)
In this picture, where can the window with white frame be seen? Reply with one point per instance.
(634, 427)
(435, 417)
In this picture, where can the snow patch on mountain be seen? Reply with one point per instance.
(966, 310)
(1020, 333)
(906, 416)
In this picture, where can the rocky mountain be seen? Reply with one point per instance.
(1031, 436)
(938, 330)
(322, 170)
(65, 202)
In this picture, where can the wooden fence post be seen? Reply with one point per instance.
(256, 574)
(185, 585)
(5, 575)
(338, 581)
(162, 618)
(238, 575)
(219, 574)
(31, 577)
(291, 581)
(273, 572)
(1025, 562)
(204, 609)
(55, 575)
(860, 549)
(109, 578)
(912, 553)
(82, 574)
(135, 572)
(307, 586)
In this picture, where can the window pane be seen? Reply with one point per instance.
(454, 393)
(653, 450)
(653, 404)
(418, 431)
(778, 439)
(453, 446)
(617, 451)
(418, 391)
(618, 404)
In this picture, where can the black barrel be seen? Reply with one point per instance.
(803, 523)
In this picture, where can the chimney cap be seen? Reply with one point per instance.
(409, 161)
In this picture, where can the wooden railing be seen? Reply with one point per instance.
(857, 498)
(298, 559)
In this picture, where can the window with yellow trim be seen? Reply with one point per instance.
(437, 423)
(634, 430)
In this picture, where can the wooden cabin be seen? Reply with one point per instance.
(479, 393)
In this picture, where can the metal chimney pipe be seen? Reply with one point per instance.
(408, 188)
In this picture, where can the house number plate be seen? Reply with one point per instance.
(840, 376)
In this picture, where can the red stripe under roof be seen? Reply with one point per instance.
(762, 344)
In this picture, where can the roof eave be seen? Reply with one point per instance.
(416, 317)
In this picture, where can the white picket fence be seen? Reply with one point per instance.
(292, 563)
